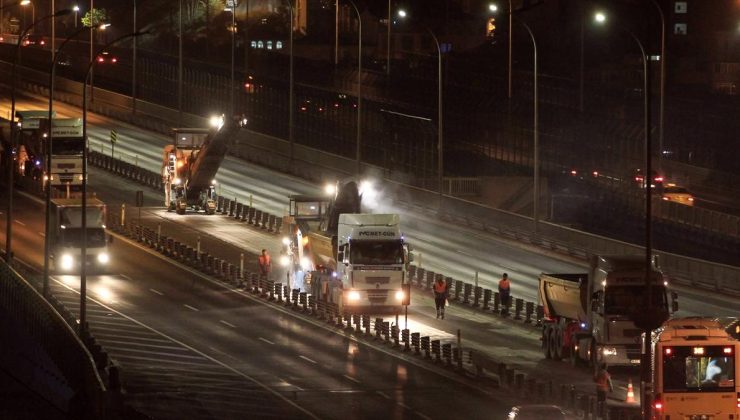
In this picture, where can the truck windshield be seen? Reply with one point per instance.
(621, 300)
(73, 237)
(68, 146)
(376, 252)
(699, 369)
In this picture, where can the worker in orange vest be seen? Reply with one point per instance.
(440, 296)
(603, 385)
(504, 291)
(265, 264)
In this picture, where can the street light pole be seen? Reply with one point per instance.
(358, 148)
(536, 151)
(76, 9)
(49, 151)
(388, 47)
(662, 86)
(290, 89)
(133, 71)
(511, 18)
(11, 143)
(83, 252)
(233, 47)
(179, 67)
(336, 34)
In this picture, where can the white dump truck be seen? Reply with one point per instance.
(66, 235)
(357, 261)
(589, 316)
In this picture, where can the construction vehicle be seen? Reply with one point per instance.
(591, 316)
(68, 146)
(189, 166)
(66, 232)
(356, 261)
(30, 159)
(694, 369)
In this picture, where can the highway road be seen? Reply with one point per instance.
(452, 250)
(190, 347)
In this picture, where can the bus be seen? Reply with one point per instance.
(694, 368)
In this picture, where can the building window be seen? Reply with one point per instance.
(269, 45)
(680, 7)
(279, 45)
(679, 29)
(260, 45)
(254, 44)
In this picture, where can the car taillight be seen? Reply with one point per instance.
(658, 404)
(691, 198)
(101, 59)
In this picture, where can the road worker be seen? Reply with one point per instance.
(440, 296)
(265, 264)
(504, 291)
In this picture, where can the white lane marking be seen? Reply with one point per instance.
(228, 323)
(213, 359)
(307, 359)
(404, 405)
(129, 278)
(41, 234)
(352, 379)
(266, 340)
(422, 415)
(383, 394)
(19, 222)
(464, 253)
(157, 292)
(192, 308)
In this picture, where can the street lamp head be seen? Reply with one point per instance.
(402, 13)
(25, 2)
(493, 8)
(76, 8)
(103, 26)
(600, 17)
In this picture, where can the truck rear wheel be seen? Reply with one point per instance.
(556, 348)
(546, 342)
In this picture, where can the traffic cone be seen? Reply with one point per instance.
(630, 392)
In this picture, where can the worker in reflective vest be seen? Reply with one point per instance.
(265, 264)
(504, 291)
(440, 297)
(603, 385)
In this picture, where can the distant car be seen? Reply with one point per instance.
(676, 194)
(537, 412)
(33, 40)
(308, 105)
(657, 179)
(107, 58)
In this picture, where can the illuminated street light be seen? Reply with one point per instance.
(440, 134)
(492, 8)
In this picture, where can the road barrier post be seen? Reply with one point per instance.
(529, 309)
(458, 289)
(496, 302)
(487, 295)
(426, 346)
(405, 339)
(467, 289)
(518, 306)
(477, 292)
(436, 351)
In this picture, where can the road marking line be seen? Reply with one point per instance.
(266, 340)
(19, 222)
(461, 252)
(128, 278)
(192, 308)
(352, 379)
(422, 415)
(383, 394)
(227, 323)
(42, 234)
(307, 359)
(222, 364)
(157, 292)
(404, 405)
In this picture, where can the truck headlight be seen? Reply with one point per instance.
(103, 258)
(353, 295)
(305, 263)
(400, 295)
(609, 351)
(67, 262)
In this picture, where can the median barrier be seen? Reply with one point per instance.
(467, 290)
(477, 292)
(458, 289)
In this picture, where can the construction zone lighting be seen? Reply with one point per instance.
(286, 241)
(177, 181)
(216, 121)
(103, 258)
(284, 260)
(354, 295)
(305, 263)
(400, 295)
(67, 262)
(330, 189)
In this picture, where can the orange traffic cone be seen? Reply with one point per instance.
(630, 392)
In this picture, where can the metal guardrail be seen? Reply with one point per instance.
(315, 164)
(58, 340)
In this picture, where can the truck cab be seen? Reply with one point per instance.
(66, 235)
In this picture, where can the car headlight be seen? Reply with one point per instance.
(354, 295)
(67, 262)
(103, 258)
(609, 351)
(400, 295)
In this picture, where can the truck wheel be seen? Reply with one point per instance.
(573, 353)
(546, 342)
(556, 350)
